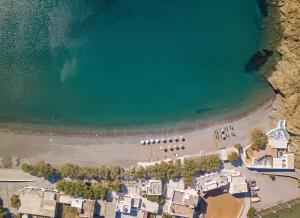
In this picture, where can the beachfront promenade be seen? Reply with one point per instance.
(12, 175)
(126, 150)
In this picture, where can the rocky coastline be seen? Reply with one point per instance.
(285, 76)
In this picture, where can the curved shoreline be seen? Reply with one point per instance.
(115, 147)
(183, 126)
(125, 150)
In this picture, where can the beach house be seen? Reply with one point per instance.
(182, 203)
(37, 202)
(231, 180)
(276, 155)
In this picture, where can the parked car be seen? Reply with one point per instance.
(252, 181)
(255, 195)
(255, 199)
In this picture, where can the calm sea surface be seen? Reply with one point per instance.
(125, 62)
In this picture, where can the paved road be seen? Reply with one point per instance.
(271, 192)
(12, 175)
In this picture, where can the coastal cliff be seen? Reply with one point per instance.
(285, 78)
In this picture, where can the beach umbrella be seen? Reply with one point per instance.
(172, 149)
(163, 140)
(176, 139)
(147, 142)
(170, 140)
(182, 147)
(182, 138)
(176, 147)
(142, 142)
(152, 141)
(166, 150)
(157, 141)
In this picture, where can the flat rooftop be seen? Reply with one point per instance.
(37, 202)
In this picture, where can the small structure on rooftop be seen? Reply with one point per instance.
(153, 187)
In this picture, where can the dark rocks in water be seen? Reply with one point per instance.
(263, 7)
(257, 60)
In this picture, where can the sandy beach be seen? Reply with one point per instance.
(125, 150)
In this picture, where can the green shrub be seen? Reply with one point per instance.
(251, 212)
(155, 198)
(14, 201)
(164, 215)
(259, 139)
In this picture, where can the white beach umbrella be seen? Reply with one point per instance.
(142, 142)
(157, 140)
(152, 141)
(147, 141)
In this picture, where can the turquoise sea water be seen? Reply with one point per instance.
(125, 62)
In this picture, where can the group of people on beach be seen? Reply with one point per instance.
(224, 133)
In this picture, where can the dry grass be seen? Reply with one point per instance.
(223, 206)
(66, 211)
(249, 155)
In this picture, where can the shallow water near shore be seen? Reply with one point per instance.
(126, 63)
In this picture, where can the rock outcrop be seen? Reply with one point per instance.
(286, 77)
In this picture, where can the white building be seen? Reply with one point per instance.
(154, 187)
(238, 185)
(275, 155)
(182, 203)
(37, 202)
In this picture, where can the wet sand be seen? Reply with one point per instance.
(126, 150)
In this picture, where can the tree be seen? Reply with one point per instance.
(3, 212)
(164, 215)
(251, 212)
(69, 170)
(155, 198)
(41, 169)
(239, 147)
(15, 201)
(27, 168)
(116, 185)
(233, 156)
(259, 139)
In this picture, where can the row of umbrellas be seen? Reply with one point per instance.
(172, 148)
(162, 140)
